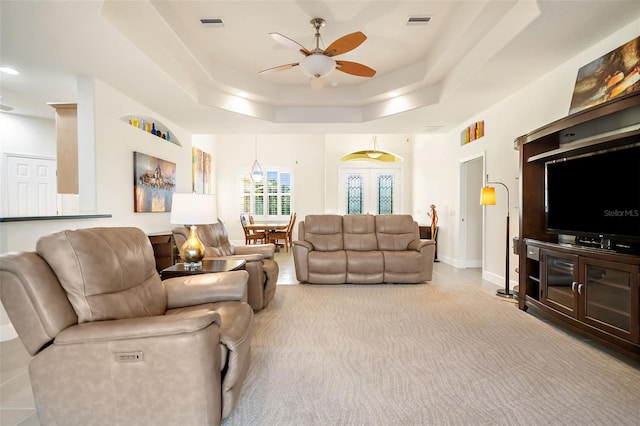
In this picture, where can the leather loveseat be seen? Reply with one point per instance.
(363, 249)
(114, 345)
(262, 268)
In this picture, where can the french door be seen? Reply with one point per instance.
(368, 189)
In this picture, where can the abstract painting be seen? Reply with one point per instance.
(201, 171)
(614, 74)
(154, 183)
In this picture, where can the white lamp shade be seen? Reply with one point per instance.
(193, 209)
(317, 65)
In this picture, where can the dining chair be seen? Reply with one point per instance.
(286, 235)
(250, 236)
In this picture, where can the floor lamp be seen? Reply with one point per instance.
(488, 198)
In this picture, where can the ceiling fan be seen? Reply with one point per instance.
(319, 63)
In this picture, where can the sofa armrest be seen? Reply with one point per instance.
(304, 244)
(418, 245)
(206, 288)
(267, 251)
(136, 328)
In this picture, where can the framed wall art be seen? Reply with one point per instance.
(154, 183)
(201, 171)
(611, 75)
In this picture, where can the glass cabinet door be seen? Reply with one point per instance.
(607, 294)
(559, 282)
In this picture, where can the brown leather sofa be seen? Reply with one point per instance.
(262, 267)
(112, 344)
(363, 249)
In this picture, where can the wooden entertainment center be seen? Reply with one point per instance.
(592, 290)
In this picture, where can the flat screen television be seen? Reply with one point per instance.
(595, 195)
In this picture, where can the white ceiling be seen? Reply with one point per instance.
(470, 55)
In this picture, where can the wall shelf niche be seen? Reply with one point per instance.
(150, 125)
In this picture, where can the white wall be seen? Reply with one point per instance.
(435, 181)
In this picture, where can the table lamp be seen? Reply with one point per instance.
(191, 210)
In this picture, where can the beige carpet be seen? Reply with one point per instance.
(442, 353)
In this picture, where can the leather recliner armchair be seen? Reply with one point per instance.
(262, 268)
(112, 344)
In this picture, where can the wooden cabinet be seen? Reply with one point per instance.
(425, 234)
(596, 292)
(558, 281)
(164, 250)
(593, 291)
(608, 297)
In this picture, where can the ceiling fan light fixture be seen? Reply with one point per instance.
(317, 65)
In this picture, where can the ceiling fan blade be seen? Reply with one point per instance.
(355, 68)
(316, 83)
(286, 41)
(278, 68)
(345, 44)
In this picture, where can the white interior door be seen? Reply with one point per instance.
(31, 186)
(471, 173)
(368, 189)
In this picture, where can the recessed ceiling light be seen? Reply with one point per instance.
(419, 20)
(9, 70)
(334, 84)
(212, 22)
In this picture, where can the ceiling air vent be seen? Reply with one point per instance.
(212, 22)
(419, 20)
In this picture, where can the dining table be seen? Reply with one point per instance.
(267, 227)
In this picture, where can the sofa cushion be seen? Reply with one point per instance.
(359, 232)
(324, 232)
(395, 231)
(328, 267)
(365, 267)
(123, 283)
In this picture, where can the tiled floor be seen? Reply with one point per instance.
(16, 399)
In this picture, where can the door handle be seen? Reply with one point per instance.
(574, 286)
(580, 288)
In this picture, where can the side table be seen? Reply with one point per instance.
(208, 267)
(164, 249)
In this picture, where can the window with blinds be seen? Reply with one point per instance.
(269, 199)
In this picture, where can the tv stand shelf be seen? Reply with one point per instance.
(594, 291)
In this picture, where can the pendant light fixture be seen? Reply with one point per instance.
(373, 151)
(256, 171)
